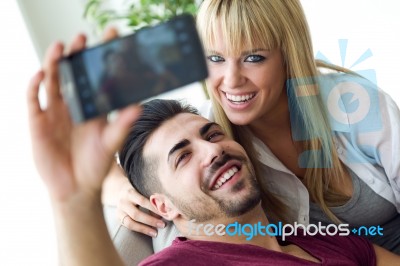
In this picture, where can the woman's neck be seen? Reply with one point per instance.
(274, 130)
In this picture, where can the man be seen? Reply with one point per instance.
(195, 173)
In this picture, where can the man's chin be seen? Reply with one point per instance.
(243, 207)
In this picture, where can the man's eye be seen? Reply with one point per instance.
(254, 58)
(215, 58)
(181, 158)
(214, 136)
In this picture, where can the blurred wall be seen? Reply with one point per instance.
(50, 20)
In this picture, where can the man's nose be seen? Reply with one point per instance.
(233, 76)
(210, 152)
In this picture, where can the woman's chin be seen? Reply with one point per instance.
(239, 119)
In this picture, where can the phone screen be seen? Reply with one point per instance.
(136, 67)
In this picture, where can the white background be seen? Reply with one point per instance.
(26, 227)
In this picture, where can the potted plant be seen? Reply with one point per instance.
(135, 14)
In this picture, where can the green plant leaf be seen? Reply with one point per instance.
(138, 13)
(90, 7)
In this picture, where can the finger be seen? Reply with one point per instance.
(32, 95)
(130, 205)
(145, 214)
(109, 34)
(155, 215)
(139, 215)
(132, 225)
(116, 131)
(53, 55)
(77, 44)
(136, 197)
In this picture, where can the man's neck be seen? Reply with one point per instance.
(244, 229)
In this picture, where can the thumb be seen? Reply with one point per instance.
(116, 131)
(110, 34)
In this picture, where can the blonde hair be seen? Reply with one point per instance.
(280, 24)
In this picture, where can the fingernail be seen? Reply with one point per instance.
(160, 225)
(153, 234)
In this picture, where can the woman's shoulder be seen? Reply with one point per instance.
(357, 85)
(353, 102)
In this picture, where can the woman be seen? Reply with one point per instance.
(325, 163)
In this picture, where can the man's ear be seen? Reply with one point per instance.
(164, 206)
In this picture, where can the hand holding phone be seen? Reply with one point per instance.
(133, 68)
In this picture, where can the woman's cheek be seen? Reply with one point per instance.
(212, 86)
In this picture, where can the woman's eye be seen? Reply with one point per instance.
(215, 58)
(254, 58)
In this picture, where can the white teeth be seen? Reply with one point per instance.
(239, 98)
(225, 177)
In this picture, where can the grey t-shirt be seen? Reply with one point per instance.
(365, 208)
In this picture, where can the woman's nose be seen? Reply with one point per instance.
(233, 76)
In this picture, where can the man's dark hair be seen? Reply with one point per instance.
(141, 173)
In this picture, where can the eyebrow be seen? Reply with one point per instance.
(185, 142)
(180, 145)
(252, 51)
(204, 129)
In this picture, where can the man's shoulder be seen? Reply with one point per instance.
(342, 238)
(335, 247)
(179, 251)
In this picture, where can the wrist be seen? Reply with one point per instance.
(77, 202)
(80, 223)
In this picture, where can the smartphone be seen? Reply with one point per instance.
(133, 68)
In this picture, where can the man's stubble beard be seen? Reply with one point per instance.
(201, 210)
